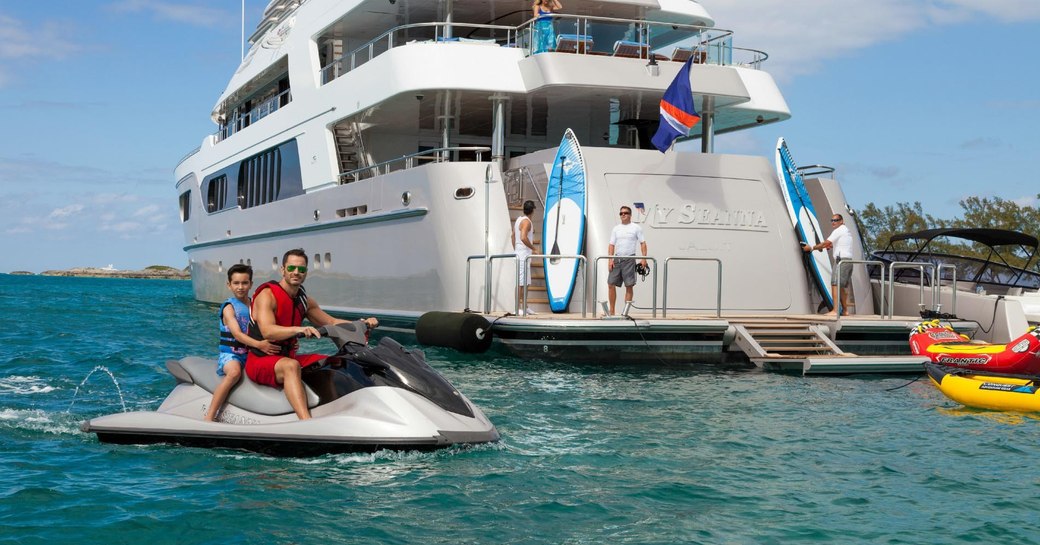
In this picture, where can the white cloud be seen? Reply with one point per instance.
(799, 35)
(22, 43)
(66, 211)
(196, 15)
(1025, 201)
(147, 211)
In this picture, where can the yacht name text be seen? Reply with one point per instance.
(701, 216)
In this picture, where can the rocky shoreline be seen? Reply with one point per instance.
(155, 272)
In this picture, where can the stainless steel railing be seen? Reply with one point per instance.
(718, 285)
(597, 36)
(435, 155)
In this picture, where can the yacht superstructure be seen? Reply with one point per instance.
(380, 135)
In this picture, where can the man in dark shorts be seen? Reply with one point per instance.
(278, 311)
(624, 239)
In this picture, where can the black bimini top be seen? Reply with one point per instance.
(989, 237)
(992, 269)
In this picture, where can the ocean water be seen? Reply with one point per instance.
(589, 454)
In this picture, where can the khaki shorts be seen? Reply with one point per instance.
(846, 273)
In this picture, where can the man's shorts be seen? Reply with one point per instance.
(225, 357)
(525, 269)
(846, 273)
(260, 369)
(624, 269)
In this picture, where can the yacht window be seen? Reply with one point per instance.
(259, 179)
(216, 194)
(185, 202)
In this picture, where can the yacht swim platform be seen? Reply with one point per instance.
(805, 344)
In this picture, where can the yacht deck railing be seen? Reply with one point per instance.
(434, 155)
(583, 35)
(260, 111)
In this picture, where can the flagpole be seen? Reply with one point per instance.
(242, 44)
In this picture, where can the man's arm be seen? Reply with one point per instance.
(319, 317)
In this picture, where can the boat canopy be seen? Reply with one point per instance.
(989, 237)
(994, 269)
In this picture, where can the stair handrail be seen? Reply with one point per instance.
(526, 170)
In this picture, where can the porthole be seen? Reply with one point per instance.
(317, 214)
(464, 192)
(406, 198)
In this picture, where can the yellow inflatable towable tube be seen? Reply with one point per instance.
(998, 392)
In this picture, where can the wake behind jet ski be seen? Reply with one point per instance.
(361, 399)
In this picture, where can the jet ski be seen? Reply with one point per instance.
(362, 399)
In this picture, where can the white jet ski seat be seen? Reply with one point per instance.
(247, 395)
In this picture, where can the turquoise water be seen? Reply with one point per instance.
(633, 454)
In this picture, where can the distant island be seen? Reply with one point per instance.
(153, 271)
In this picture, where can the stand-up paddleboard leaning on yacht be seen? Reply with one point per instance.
(803, 217)
(564, 222)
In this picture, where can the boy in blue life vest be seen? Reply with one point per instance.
(234, 343)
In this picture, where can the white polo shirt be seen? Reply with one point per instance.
(841, 238)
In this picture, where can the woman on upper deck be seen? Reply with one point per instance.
(544, 36)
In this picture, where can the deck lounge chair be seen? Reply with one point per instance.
(683, 54)
(573, 43)
(625, 48)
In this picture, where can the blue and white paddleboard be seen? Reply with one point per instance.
(563, 226)
(803, 217)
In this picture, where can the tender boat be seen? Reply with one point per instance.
(361, 399)
(985, 391)
(945, 346)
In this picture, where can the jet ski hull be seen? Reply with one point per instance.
(368, 420)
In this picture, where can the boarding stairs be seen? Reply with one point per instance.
(806, 347)
(530, 184)
(537, 295)
(349, 147)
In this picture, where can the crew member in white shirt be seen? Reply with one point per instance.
(841, 241)
(623, 241)
(523, 231)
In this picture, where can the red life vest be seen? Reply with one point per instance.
(288, 312)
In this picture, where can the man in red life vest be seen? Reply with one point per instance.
(278, 311)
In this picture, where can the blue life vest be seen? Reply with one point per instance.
(228, 343)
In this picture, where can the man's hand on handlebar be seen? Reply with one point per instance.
(307, 331)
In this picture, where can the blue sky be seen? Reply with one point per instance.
(927, 101)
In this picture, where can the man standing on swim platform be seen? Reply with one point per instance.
(623, 240)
